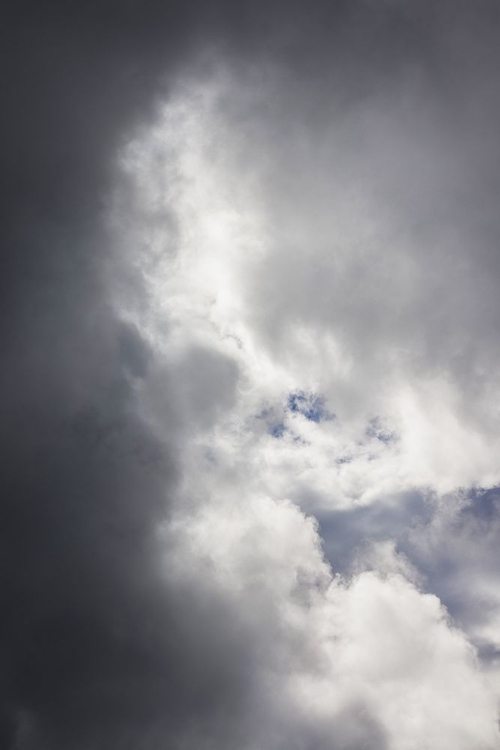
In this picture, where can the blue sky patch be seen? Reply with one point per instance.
(278, 430)
(310, 405)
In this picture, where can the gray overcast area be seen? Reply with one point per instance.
(250, 375)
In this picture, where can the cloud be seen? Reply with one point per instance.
(349, 662)
(319, 296)
(241, 290)
(335, 297)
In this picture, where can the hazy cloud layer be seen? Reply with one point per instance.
(249, 392)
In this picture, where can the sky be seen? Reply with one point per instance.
(250, 401)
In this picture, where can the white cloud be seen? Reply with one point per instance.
(281, 260)
(284, 254)
(328, 648)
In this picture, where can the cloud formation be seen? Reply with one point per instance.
(336, 399)
(249, 399)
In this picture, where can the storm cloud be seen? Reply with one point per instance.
(249, 384)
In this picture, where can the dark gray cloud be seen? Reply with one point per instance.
(96, 652)
(99, 647)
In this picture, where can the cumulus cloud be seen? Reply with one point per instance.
(358, 662)
(250, 396)
(284, 258)
(297, 258)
